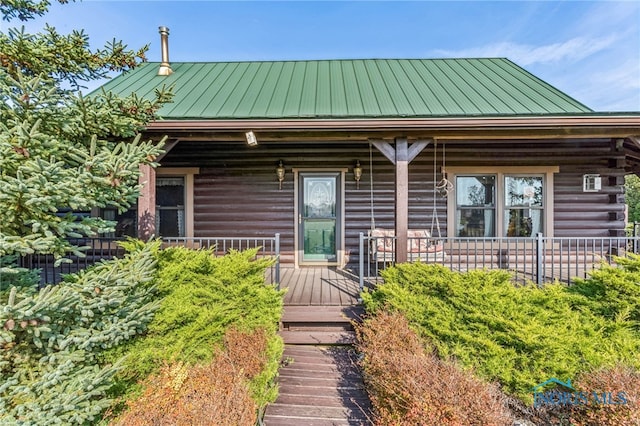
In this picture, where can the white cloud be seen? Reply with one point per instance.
(573, 50)
(614, 88)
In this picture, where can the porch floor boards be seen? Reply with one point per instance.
(328, 286)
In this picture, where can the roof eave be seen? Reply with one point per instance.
(608, 125)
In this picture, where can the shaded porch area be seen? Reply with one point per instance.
(319, 286)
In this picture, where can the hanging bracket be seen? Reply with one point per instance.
(392, 153)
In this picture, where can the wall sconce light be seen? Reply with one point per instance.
(251, 138)
(357, 173)
(280, 173)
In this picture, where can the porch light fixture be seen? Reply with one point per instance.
(251, 138)
(280, 173)
(357, 173)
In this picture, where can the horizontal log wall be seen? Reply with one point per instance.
(237, 193)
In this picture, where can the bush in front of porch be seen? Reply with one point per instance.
(204, 326)
(216, 316)
(518, 336)
(409, 385)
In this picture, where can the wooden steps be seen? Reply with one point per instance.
(319, 382)
(319, 325)
(312, 337)
(319, 385)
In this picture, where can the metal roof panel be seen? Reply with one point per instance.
(365, 88)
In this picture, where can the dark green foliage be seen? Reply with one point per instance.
(50, 340)
(519, 336)
(202, 297)
(24, 9)
(53, 139)
(11, 275)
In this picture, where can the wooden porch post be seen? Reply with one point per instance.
(401, 156)
(147, 203)
(402, 199)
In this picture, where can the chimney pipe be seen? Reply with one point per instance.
(165, 66)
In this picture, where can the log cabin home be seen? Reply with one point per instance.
(322, 152)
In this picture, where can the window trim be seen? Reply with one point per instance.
(188, 173)
(546, 171)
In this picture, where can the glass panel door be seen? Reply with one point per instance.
(319, 216)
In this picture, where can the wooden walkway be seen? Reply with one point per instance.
(319, 386)
(319, 286)
(320, 382)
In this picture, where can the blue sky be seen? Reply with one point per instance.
(588, 49)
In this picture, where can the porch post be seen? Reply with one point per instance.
(147, 203)
(402, 199)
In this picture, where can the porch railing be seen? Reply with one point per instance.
(96, 250)
(539, 259)
(108, 248)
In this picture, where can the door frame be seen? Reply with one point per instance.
(340, 244)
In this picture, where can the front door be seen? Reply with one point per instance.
(319, 217)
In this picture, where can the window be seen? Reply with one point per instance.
(170, 206)
(475, 206)
(523, 201)
(505, 202)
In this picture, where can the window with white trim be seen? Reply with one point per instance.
(501, 203)
(174, 201)
(475, 206)
(523, 206)
(170, 206)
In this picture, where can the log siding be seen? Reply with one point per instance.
(236, 192)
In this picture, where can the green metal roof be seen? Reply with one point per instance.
(343, 89)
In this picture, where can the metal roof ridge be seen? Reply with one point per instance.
(336, 60)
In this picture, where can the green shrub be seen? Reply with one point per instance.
(409, 385)
(614, 291)
(215, 393)
(519, 336)
(202, 297)
(50, 340)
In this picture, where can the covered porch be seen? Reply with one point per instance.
(541, 259)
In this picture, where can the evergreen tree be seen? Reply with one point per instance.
(51, 340)
(59, 149)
